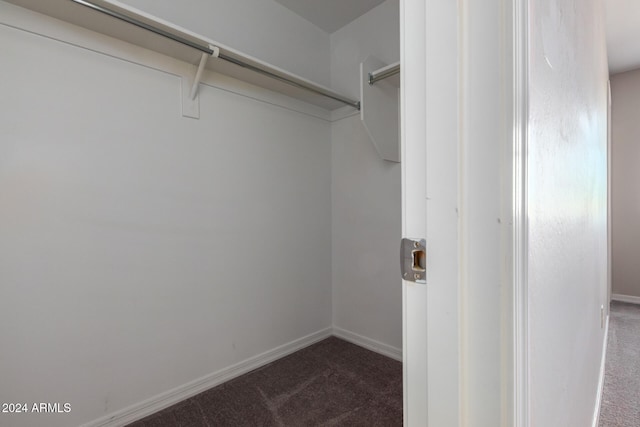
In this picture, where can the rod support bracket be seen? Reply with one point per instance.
(203, 63)
(190, 100)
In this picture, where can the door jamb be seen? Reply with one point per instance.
(520, 223)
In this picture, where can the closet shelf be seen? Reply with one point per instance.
(379, 94)
(166, 38)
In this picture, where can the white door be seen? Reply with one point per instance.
(429, 35)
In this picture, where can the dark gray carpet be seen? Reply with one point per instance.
(331, 383)
(621, 395)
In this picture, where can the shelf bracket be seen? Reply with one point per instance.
(190, 98)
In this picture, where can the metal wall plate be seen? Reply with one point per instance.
(413, 260)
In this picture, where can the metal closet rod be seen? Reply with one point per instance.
(375, 77)
(208, 50)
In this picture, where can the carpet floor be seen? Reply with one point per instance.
(621, 395)
(331, 383)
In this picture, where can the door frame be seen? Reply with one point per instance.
(521, 398)
(427, 37)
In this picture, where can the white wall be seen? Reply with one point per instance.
(567, 209)
(625, 197)
(140, 250)
(261, 28)
(366, 193)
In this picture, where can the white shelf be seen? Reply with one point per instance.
(379, 111)
(85, 17)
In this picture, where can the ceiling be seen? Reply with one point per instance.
(330, 15)
(623, 35)
(622, 24)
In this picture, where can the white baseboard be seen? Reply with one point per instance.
(625, 298)
(180, 393)
(596, 411)
(368, 343)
